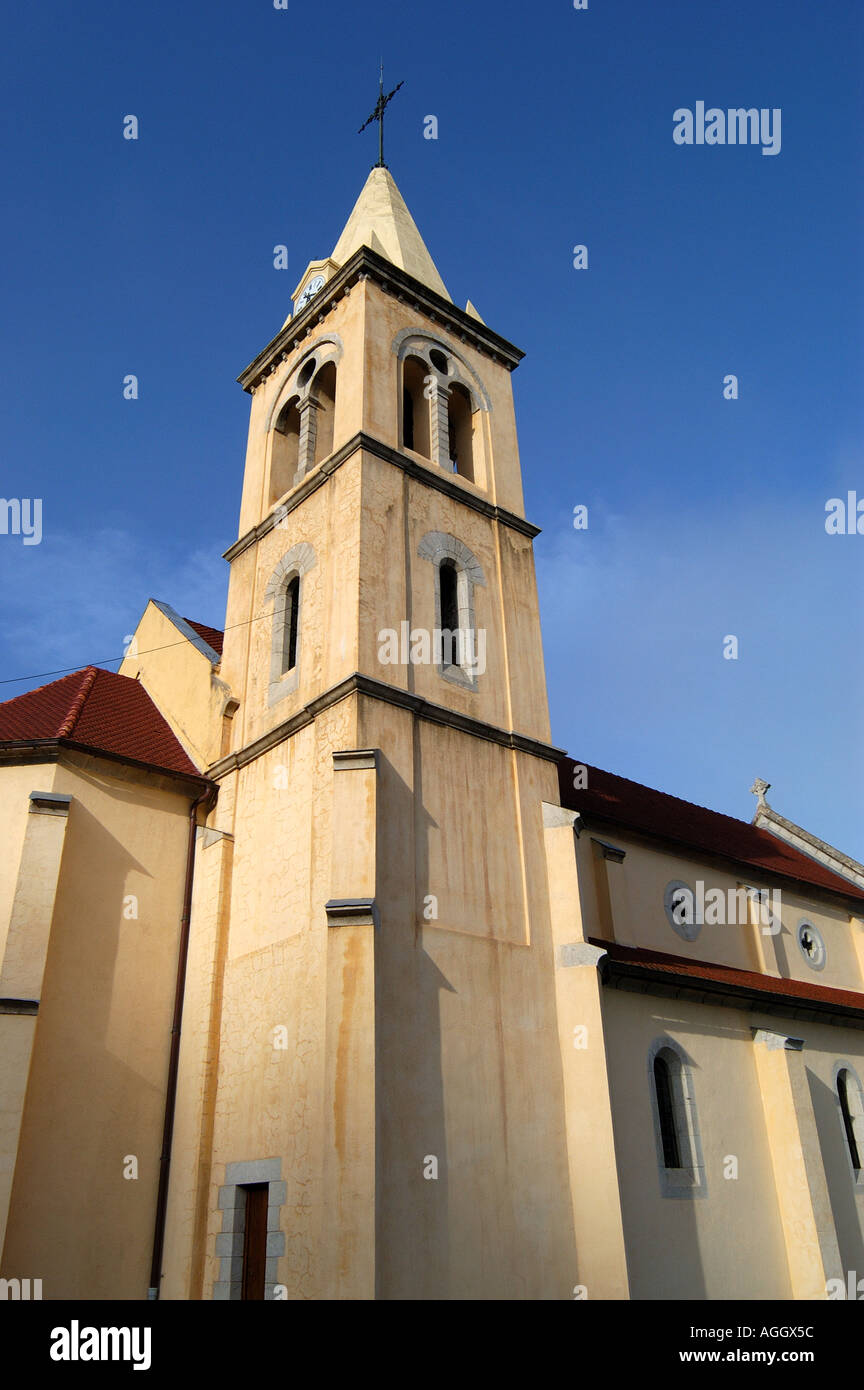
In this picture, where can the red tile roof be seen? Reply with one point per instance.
(661, 964)
(212, 635)
(629, 804)
(101, 710)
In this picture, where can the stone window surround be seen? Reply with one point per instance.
(327, 348)
(689, 1181)
(805, 924)
(437, 546)
(688, 931)
(857, 1118)
(229, 1242)
(413, 342)
(295, 563)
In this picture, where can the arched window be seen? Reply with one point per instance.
(852, 1114)
(448, 581)
(443, 404)
(324, 394)
(289, 635)
(415, 407)
(303, 420)
(287, 592)
(666, 1109)
(286, 450)
(457, 573)
(460, 422)
(228, 713)
(676, 1129)
(286, 632)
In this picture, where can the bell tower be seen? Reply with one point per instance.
(372, 883)
(381, 398)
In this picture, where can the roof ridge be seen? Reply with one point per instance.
(682, 800)
(102, 712)
(620, 801)
(66, 728)
(191, 629)
(25, 694)
(212, 626)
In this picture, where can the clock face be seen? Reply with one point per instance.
(309, 289)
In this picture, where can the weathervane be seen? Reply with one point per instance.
(378, 115)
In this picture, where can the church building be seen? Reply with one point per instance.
(325, 974)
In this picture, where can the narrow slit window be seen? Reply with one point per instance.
(447, 578)
(461, 426)
(407, 418)
(666, 1110)
(848, 1120)
(255, 1242)
(285, 451)
(323, 393)
(415, 407)
(292, 606)
(228, 714)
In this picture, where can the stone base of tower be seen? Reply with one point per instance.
(391, 1067)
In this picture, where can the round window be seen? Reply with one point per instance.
(679, 902)
(811, 945)
(306, 374)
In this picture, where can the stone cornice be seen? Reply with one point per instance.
(767, 818)
(367, 264)
(49, 750)
(428, 476)
(352, 912)
(19, 1006)
(391, 695)
(641, 979)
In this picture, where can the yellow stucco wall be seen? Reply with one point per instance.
(636, 888)
(100, 1055)
(770, 1232)
(418, 1079)
(826, 1048)
(248, 1090)
(18, 782)
(181, 682)
(457, 1002)
(728, 1243)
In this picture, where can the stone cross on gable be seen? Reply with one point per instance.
(759, 788)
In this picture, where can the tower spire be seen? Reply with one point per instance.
(381, 221)
(378, 115)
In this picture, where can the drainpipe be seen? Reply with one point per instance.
(208, 795)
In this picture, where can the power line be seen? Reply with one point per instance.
(67, 670)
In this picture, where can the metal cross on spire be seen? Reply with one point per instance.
(378, 115)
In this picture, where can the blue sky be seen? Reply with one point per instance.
(706, 516)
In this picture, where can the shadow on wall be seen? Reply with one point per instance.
(838, 1174)
(663, 1253)
(468, 1075)
(87, 1106)
(411, 1208)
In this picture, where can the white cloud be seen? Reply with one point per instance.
(634, 615)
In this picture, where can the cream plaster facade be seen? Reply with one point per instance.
(406, 1011)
